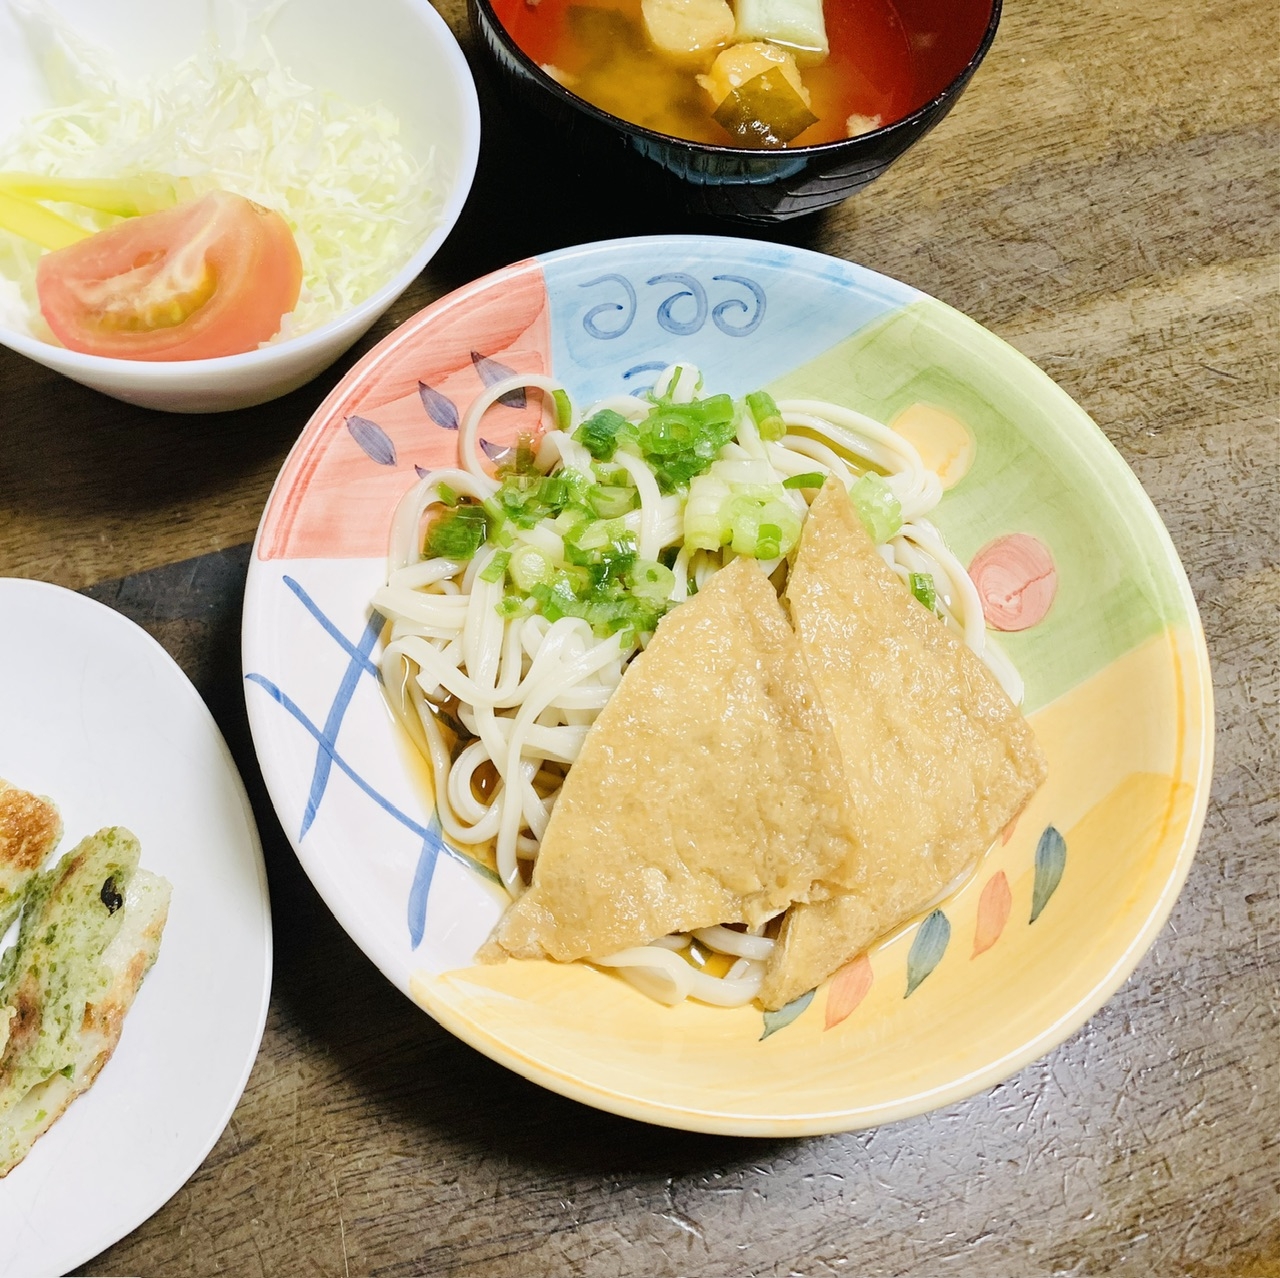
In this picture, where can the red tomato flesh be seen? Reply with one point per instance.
(212, 277)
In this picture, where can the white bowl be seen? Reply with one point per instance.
(398, 52)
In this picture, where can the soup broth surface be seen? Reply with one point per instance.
(598, 49)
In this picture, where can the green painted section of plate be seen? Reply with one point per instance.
(1041, 467)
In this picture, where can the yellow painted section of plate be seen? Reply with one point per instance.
(1129, 752)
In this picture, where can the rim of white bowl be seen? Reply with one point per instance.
(362, 316)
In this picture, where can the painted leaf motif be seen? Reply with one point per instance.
(495, 452)
(848, 988)
(491, 371)
(440, 408)
(927, 949)
(774, 1021)
(375, 441)
(423, 472)
(1051, 860)
(993, 913)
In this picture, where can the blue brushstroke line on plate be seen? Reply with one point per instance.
(333, 723)
(653, 366)
(330, 629)
(432, 844)
(1051, 860)
(286, 702)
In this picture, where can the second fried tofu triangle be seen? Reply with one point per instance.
(708, 791)
(937, 758)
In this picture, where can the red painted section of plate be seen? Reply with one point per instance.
(333, 500)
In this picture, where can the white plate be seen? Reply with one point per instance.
(96, 715)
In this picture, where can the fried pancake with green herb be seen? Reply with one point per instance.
(29, 830)
(90, 932)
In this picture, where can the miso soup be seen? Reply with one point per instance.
(877, 69)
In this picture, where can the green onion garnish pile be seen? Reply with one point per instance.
(595, 571)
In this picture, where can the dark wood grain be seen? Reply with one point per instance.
(1105, 197)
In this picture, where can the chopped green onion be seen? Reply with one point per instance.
(558, 598)
(767, 417)
(513, 606)
(496, 568)
(740, 471)
(609, 502)
(768, 542)
(553, 492)
(877, 506)
(588, 538)
(922, 586)
(564, 410)
(612, 476)
(681, 372)
(679, 441)
(610, 563)
(569, 519)
(529, 567)
(523, 463)
(459, 534)
(810, 479)
(651, 582)
(447, 495)
(599, 433)
(703, 527)
(749, 519)
(579, 485)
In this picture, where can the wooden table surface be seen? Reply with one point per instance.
(1104, 197)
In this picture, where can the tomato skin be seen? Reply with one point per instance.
(208, 278)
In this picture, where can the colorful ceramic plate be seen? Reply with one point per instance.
(1071, 560)
(97, 716)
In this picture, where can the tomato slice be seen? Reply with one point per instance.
(208, 278)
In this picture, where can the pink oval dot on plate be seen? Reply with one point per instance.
(1016, 581)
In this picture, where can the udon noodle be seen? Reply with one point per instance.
(521, 691)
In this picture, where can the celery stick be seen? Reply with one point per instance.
(33, 221)
(795, 24)
(125, 197)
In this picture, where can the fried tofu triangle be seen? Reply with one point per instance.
(708, 791)
(29, 830)
(938, 759)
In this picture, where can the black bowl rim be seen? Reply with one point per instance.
(921, 113)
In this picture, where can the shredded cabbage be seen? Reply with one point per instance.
(230, 117)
